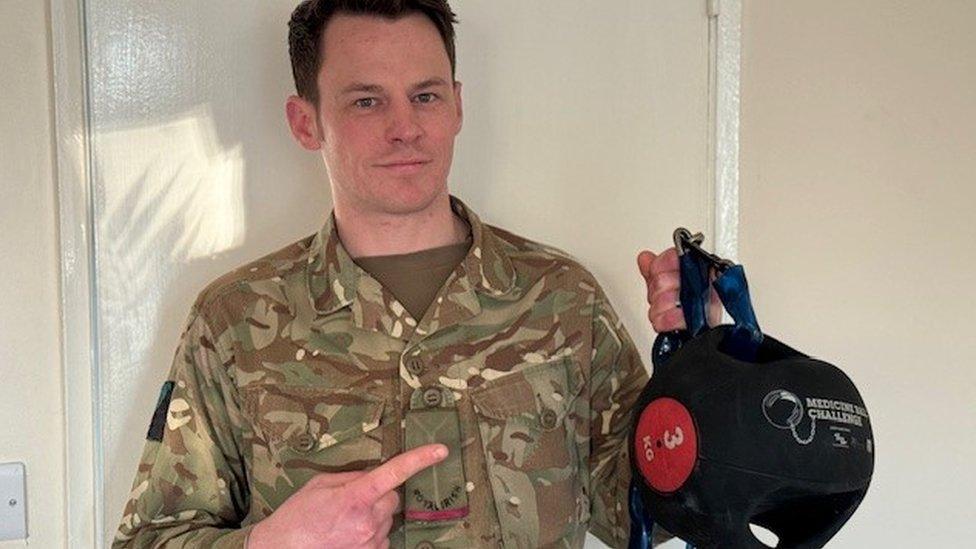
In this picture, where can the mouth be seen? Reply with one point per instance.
(405, 167)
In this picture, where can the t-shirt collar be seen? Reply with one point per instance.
(335, 280)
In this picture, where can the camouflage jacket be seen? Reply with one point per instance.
(300, 363)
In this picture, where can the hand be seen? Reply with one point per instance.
(353, 509)
(663, 278)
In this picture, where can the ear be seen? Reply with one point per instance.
(302, 119)
(460, 107)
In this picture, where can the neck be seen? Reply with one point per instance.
(372, 233)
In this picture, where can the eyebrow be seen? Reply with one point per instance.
(375, 88)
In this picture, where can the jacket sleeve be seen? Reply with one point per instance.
(190, 488)
(617, 376)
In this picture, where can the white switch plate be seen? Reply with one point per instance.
(13, 502)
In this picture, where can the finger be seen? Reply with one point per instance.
(666, 261)
(331, 480)
(383, 530)
(663, 282)
(669, 321)
(382, 536)
(387, 505)
(664, 301)
(381, 543)
(644, 260)
(385, 478)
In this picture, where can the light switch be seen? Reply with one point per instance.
(13, 502)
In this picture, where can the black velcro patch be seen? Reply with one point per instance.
(159, 416)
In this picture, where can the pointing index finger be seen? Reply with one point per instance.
(387, 477)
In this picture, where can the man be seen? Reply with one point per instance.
(405, 343)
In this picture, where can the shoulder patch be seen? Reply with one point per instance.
(159, 416)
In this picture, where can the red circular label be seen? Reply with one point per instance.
(665, 444)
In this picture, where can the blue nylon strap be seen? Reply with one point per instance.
(641, 523)
(744, 339)
(694, 291)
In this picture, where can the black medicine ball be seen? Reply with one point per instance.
(783, 442)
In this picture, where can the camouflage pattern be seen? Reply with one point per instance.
(435, 499)
(300, 363)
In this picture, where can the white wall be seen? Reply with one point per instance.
(31, 411)
(858, 126)
(858, 232)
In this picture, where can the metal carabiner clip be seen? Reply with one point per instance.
(684, 242)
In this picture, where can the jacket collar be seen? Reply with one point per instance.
(336, 281)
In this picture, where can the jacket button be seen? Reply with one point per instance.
(424, 545)
(415, 366)
(304, 442)
(432, 397)
(549, 418)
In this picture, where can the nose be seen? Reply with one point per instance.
(404, 125)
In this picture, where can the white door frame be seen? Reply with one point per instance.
(83, 485)
(83, 494)
(725, 45)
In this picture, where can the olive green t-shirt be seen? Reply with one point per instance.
(415, 278)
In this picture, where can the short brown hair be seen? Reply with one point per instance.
(308, 22)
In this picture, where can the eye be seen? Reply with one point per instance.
(365, 102)
(427, 97)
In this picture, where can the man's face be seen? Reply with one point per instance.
(387, 97)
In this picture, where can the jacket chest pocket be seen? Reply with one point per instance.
(312, 430)
(530, 432)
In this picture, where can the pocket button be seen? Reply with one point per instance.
(432, 397)
(415, 366)
(304, 442)
(549, 418)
